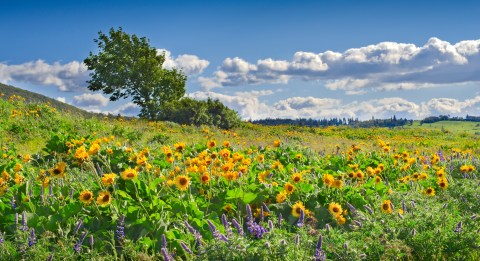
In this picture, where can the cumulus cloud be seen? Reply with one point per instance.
(61, 99)
(382, 66)
(190, 64)
(250, 106)
(90, 100)
(66, 77)
(129, 109)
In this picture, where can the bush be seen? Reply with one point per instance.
(210, 112)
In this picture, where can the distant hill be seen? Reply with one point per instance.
(31, 97)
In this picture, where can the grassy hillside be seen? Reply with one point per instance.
(31, 97)
(457, 127)
(91, 188)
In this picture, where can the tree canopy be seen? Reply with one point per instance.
(127, 66)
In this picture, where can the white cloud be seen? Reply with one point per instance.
(190, 64)
(66, 77)
(90, 100)
(452, 106)
(380, 67)
(61, 99)
(129, 109)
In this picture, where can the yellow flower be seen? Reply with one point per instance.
(260, 158)
(94, 148)
(387, 207)
(58, 171)
(276, 143)
(430, 191)
(180, 146)
(378, 179)
(104, 198)
(205, 178)
(109, 151)
(338, 183)
(225, 153)
(281, 197)
(226, 144)
(298, 156)
(18, 167)
(211, 144)
(129, 174)
(335, 209)
(81, 154)
(6, 176)
(296, 209)
(442, 183)
(297, 177)
(182, 182)
(108, 179)
(340, 219)
(86, 197)
(18, 179)
(27, 158)
(328, 180)
(289, 188)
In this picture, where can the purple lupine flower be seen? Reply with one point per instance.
(358, 223)
(392, 206)
(301, 219)
(261, 214)
(78, 226)
(270, 225)
(71, 193)
(249, 213)
(280, 219)
(255, 229)
(237, 226)
(78, 246)
(166, 255)
(265, 207)
(226, 225)
(458, 228)
(319, 253)
(50, 257)
(12, 203)
(345, 245)
(297, 239)
(414, 232)
(50, 189)
(164, 241)
(404, 207)
(1, 238)
(186, 248)
(24, 226)
(400, 215)
(327, 227)
(90, 242)
(267, 244)
(216, 234)
(120, 231)
(440, 155)
(32, 239)
(351, 208)
(16, 220)
(195, 233)
(370, 210)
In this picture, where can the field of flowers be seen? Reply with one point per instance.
(110, 188)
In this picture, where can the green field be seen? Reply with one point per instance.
(76, 188)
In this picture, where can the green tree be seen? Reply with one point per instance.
(127, 66)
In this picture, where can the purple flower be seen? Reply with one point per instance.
(186, 248)
(280, 219)
(458, 228)
(216, 234)
(32, 239)
(120, 231)
(370, 210)
(90, 241)
(164, 241)
(78, 246)
(78, 226)
(12, 203)
(237, 226)
(319, 253)
(166, 255)
(301, 219)
(24, 226)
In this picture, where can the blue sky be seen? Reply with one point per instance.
(288, 59)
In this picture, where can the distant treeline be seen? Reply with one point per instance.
(392, 122)
(433, 119)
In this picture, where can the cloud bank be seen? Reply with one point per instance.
(72, 76)
(380, 67)
(250, 107)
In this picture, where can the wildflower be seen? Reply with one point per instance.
(180, 146)
(26, 158)
(185, 247)
(335, 209)
(430, 191)
(32, 239)
(442, 183)
(276, 143)
(369, 209)
(94, 148)
(78, 246)
(18, 167)
(226, 225)
(297, 177)
(24, 226)
(226, 144)
(237, 227)
(289, 188)
(458, 228)
(86, 197)
(58, 171)
(338, 183)
(378, 179)
(18, 179)
(281, 197)
(319, 254)
(260, 158)
(205, 178)
(182, 182)
(328, 180)
(297, 208)
(301, 219)
(78, 226)
(120, 231)
(211, 144)
(387, 206)
(104, 198)
(81, 154)
(12, 203)
(108, 179)
(129, 174)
